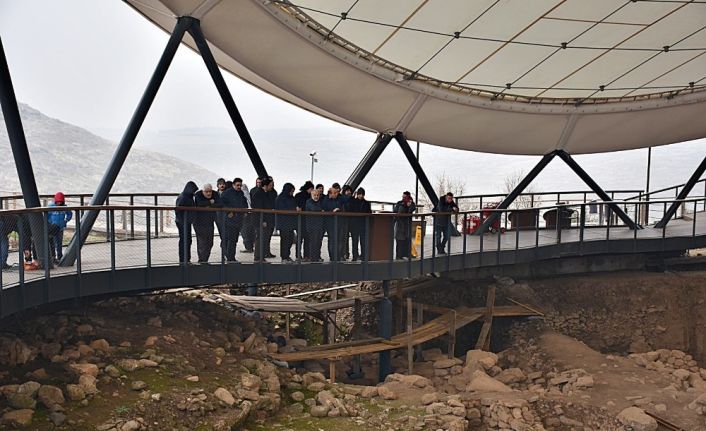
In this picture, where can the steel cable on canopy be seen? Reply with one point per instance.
(455, 35)
(666, 49)
(563, 46)
(478, 38)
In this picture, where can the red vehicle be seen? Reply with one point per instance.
(474, 222)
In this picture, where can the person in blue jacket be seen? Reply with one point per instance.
(57, 223)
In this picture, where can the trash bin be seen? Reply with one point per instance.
(523, 219)
(565, 216)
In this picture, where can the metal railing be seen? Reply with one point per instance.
(387, 239)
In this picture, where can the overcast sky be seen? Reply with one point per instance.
(87, 62)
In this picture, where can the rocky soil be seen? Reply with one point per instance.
(180, 361)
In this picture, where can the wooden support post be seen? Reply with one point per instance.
(287, 322)
(331, 320)
(483, 342)
(332, 371)
(410, 346)
(452, 334)
(399, 318)
(420, 322)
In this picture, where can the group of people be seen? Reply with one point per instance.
(347, 234)
(56, 220)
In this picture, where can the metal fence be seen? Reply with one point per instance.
(128, 238)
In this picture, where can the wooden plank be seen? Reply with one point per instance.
(420, 322)
(483, 342)
(527, 307)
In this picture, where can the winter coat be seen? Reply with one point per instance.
(329, 204)
(206, 218)
(264, 200)
(359, 206)
(314, 223)
(285, 202)
(186, 199)
(444, 207)
(301, 198)
(403, 224)
(233, 198)
(59, 218)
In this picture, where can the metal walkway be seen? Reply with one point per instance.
(149, 263)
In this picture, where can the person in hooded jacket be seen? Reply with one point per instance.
(57, 223)
(315, 226)
(272, 197)
(286, 224)
(403, 225)
(333, 203)
(233, 197)
(204, 221)
(357, 224)
(184, 220)
(300, 199)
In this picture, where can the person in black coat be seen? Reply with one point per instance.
(184, 220)
(250, 221)
(442, 222)
(286, 224)
(204, 221)
(234, 197)
(300, 199)
(263, 199)
(356, 225)
(315, 226)
(344, 227)
(333, 203)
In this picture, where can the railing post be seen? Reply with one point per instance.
(111, 218)
(47, 253)
(132, 217)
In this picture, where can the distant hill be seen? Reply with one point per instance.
(71, 159)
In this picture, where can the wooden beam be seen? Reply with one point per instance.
(452, 334)
(483, 342)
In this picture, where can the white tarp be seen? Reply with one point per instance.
(631, 74)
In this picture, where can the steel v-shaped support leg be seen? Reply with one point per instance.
(597, 189)
(682, 194)
(23, 162)
(367, 162)
(412, 159)
(184, 24)
(227, 97)
(123, 149)
(509, 199)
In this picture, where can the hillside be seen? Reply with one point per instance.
(68, 158)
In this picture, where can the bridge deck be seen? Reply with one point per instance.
(125, 266)
(164, 251)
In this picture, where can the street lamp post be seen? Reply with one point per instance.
(313, 160)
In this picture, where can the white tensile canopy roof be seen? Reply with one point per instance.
(500, 76)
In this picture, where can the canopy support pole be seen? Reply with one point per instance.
(682, 195)
(133, 128)
(597, 189)
(510, 198)
(385, 331)
(227, 97)
(184, 24)
(369, 160)
(20, 152)
(421, 175)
